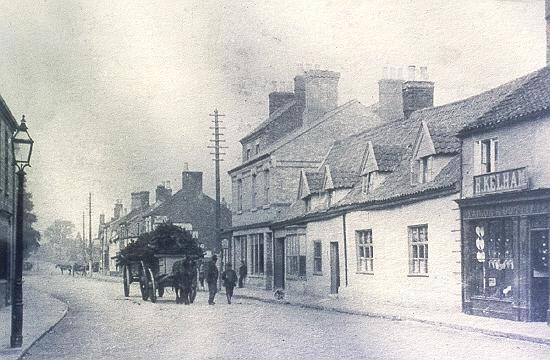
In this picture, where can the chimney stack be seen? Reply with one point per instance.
(320, 93)
(163, 193)
(417, 94)
(117, 212)
(191, 182)
(140, 200)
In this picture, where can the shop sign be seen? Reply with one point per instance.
(502, 181)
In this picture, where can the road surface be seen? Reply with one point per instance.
(103, 324)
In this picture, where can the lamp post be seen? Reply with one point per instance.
(22, 150)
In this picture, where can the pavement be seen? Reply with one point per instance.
(537, 332)
(41, 313)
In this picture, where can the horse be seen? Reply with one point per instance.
(185, 281)
(63, 267)
(79, 269)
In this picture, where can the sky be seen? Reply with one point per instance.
(117, 94)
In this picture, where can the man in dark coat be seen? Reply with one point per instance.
(212, 280)
(229, 278)
(242, 273)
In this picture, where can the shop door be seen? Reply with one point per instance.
(334, 268)
(539, 274)
(279, 264)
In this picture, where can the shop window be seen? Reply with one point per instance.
(317, 257)
(256, 263)
(296, 255)
(365, 254)
(418, 249)
(493, 259)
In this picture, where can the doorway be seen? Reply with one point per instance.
(334, 268)
(279, 263)
(539, 274)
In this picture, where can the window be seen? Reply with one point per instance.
(489, 155)
(257, 149)
(240, 195)
(256, 263)
(317, 257)
(247, 154)
(328, 198)
(418, 249)
(425, 169)
(307, 202)
(253, 192)
(367, 182)
(494, 243)
(296, 255)
(266, 187)
(365, 254)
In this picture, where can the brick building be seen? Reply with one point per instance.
(297, 135)
(8, 125)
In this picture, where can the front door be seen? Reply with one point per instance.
(334, 268)
(279, 263)
(539, 274)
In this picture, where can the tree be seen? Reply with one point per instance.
(31, 236)
(60, 242)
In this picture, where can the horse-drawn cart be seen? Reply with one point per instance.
(158, 265)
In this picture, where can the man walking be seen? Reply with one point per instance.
(242, 273)
(212, 280)
(229, 278)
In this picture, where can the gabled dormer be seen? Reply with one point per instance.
(378, 162)
(422, 170)
(303, 186)
(328, 187)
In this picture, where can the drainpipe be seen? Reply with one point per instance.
(345, 248)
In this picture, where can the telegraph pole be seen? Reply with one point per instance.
(83, 239)
(90, 262)
(217, 158)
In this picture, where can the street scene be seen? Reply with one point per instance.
(275, 180)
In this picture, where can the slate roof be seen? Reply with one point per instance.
(516, 99)
(530, 96)
(314, 181)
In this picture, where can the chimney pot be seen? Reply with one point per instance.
(185, 166)
(424, 73)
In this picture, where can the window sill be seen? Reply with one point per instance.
(266, 206)
(255, 276)
(318, 274)
(296, 278)
(418, 275)
(253, 209)
(364, 273)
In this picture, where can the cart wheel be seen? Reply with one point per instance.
(143, 283)
(161, 291)
(153, 286)
(126, 278)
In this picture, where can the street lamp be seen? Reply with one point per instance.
(22, 150)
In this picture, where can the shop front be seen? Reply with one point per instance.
(505, 254)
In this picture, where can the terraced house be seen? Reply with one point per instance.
(378, 221)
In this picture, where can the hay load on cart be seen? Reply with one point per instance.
(165, 257)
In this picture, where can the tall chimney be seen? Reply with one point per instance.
(320, 92)
(191, 182)
(163, 193)
(417, 94)
(117, 212)
(140, 200)
(390, 98)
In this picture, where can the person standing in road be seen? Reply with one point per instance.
(212, 280)
(242, 273)
(229, 278)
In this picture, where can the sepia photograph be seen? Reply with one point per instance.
(292, 179)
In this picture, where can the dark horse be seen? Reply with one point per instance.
(64, 267)
(185, 281)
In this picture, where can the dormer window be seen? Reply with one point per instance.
(368, 182)
(307, 202)
(248, 153)
(328, 198)
(257, 149)
(425, 169)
